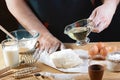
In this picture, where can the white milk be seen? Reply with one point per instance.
(11, 56)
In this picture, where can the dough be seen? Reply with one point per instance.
(65, 59)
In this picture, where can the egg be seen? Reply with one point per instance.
(101, 49)
(93, 50)
(104, 51)
(112, 49)
(100, 45)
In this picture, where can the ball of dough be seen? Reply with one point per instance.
(65, 59)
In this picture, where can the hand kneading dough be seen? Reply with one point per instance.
(65, 59)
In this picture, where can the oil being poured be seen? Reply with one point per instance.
(79, 33)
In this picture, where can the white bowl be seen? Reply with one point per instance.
(113, 61)
(113, 66)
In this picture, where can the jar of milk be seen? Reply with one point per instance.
(10, 52)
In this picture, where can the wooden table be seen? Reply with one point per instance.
(107, 75)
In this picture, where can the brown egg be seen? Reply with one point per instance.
(100, 45)
(111, 49)
(104, 51)
(93, 50)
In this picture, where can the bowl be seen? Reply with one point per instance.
(27, 44)
(26, 39)
(113, 61)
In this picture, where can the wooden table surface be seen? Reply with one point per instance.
(107, 74)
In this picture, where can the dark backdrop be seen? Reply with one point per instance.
(6, 20)
(110, 34)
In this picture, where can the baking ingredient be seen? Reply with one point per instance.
(93, 51)
(113, 61)
(79, 33)
(104, 51)
(65, 59)
(11, 56)
(115, 57)
(101, 49)
(100, 45)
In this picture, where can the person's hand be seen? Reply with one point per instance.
(49, 43)
(102, 17)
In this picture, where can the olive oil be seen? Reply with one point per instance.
(79, 33)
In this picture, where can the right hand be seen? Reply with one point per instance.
(102, 16)
(49, 43)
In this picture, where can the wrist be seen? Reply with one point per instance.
(45, 33)
(113, 3)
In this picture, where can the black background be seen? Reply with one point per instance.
(6, 20)
(112, 33)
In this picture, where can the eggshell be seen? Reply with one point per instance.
(104, 51)
(111, 49)
(100, 45)
(93, 50)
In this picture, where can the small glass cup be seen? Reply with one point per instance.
(10, 52)
(79, 31)
(27, 44)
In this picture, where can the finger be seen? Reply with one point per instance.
(94, 29)
(62, 46)
(36, 52)
(46, 48)
(37, 45)
(96, 20)
(42, 48)
(92, 16)
(100, 27)
(53, 49)
(38, 55)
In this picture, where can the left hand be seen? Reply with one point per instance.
(102, 17)
(49, 43)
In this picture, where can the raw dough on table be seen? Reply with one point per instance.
(66, 59)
